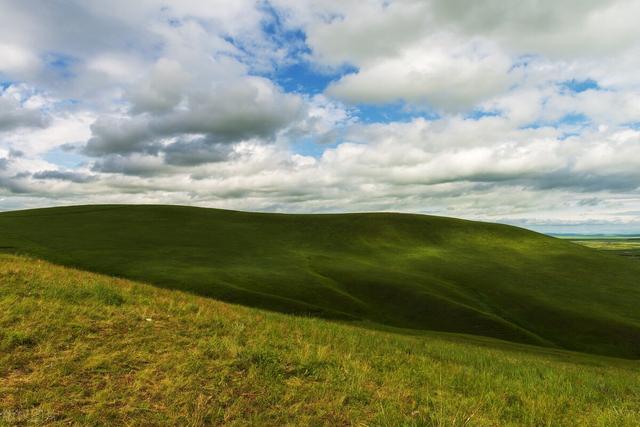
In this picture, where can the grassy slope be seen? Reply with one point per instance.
(408, 271)
(81, 348)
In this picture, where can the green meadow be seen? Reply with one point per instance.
(166, 315)
(391, 270)
(625, 246)
(79, 348)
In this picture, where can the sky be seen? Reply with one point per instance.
(525, 113)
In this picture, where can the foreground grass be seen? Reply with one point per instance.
(81, 348)
(398, 270)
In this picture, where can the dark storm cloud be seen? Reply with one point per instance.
(15, 184)
(76, 177)
(13, 115)
(200, 151)
(119, 136)
(133, 165)
(5, 162)
(591, 201)
(246, 109)
(592, 181)
(81, 27)
(565, 179)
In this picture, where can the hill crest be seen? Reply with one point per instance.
(399, 270)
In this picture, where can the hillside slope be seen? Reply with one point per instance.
(78, 348)
(408, 271)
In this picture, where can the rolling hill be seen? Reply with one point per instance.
(394, 270)
(79, 348)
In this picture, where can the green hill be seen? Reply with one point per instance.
(396, 270)
(78, 348)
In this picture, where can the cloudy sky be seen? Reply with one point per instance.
(522, 112)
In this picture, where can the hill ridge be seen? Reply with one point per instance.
(402, 270)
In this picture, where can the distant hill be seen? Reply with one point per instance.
(398, 270)
(78, 348)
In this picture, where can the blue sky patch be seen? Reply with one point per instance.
(64, 158)
(62, 64)
(479, 114)
(572, 119)
(311, 147)
(633, 125)
(580, 85)
(392, 112)
(296, 73)
(301, 77)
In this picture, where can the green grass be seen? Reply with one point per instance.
(402, 271)
(85, 349)
(629, 247)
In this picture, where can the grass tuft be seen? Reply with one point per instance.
(13, 339)
(108, 296)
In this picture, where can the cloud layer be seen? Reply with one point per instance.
(524, 112)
